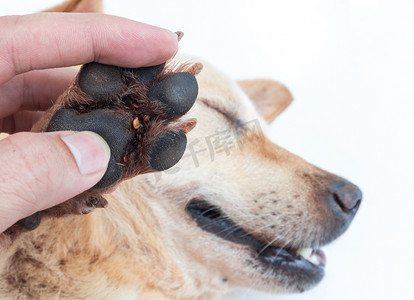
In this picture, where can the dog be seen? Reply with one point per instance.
(235, 211)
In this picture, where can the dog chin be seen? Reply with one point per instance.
(275, 269)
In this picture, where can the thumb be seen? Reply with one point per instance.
(41, 170)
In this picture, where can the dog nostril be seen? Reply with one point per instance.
(348, 197)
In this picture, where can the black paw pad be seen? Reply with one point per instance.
(167, 150)
(31, 222)
(99, 81)
(147, 74)
(112, 126)
(177, 93)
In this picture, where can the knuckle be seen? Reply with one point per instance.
(11, 44)
(32, 171)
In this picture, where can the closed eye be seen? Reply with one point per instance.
(230, 117)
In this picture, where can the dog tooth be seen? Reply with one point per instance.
(313, 259)
(309, 255)
(305, 252)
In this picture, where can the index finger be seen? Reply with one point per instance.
(50, 40)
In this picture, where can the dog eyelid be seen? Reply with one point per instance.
(234, 121)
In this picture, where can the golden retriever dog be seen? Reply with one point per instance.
(233, 210)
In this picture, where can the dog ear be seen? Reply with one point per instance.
(270, 97)
(79, 6)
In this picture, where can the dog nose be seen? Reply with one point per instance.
(347, 196)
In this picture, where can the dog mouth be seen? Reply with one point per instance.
(306, 265)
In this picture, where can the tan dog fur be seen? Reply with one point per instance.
(145, 246)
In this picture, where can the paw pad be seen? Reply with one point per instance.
(30, 222)
(100, 81)
(177, 93)
(135, 110)
(168, 150)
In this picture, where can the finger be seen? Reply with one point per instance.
(20, 121)
(36, 90)
(42, 41)
(56, 167)
(111, 125)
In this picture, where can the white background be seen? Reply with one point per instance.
(350, 67)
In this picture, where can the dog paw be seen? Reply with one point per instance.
(138, 113)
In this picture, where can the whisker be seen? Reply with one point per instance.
(271, 243)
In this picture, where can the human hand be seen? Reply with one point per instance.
(41, 170)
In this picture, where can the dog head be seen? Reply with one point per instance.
(238, 210)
